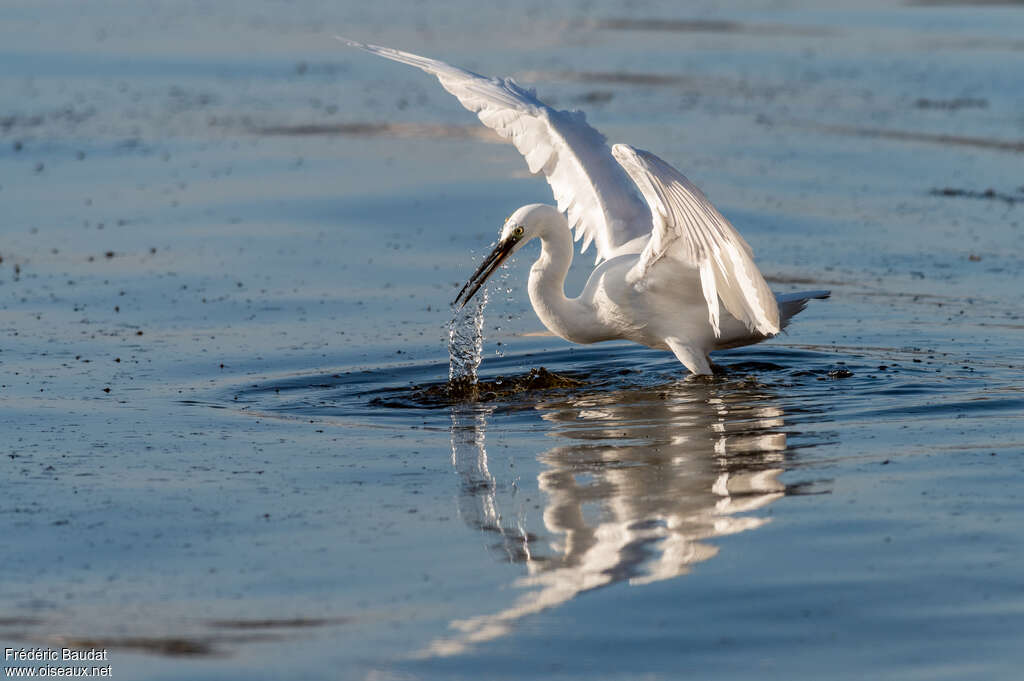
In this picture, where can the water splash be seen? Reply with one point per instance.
(466, 342)
(504, 287)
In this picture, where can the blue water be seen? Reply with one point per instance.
(224, 306)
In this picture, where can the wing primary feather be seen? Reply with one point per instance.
(710, 289)
(689, 231)
(587, 183)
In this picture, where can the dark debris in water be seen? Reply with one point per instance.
(465, 390)
(510, 389)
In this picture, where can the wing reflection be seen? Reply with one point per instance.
(643, 478)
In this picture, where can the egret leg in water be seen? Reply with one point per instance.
(671, 273)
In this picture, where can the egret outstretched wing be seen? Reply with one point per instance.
(688, 228)
(588, 185)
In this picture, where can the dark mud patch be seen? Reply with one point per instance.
(170, 646)
(986, 195)
(460, 391)
(689, 83)
(19, 621)
(1013, 146)
(68, 116)
(627, 78)
(707, 26)
(363, 129)
(786, 279)
(952, 104)
(596, 97)
(296, 623)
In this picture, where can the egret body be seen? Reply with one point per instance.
(671, 272)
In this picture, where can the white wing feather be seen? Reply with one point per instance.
(588, 185)
(689, 229)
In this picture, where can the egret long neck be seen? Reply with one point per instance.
(565, 317)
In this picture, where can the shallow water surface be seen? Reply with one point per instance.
(228, 251)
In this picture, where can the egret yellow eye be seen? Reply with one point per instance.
(518, 231)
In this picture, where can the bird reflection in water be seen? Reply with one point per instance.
(644, 478)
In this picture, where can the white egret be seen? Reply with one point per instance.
(667, 263)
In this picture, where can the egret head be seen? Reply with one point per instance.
(523, 225)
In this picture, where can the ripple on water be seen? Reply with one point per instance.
(521, 378)
(844, 383)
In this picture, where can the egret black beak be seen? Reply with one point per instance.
(486, 269)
